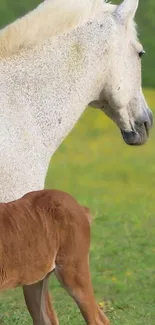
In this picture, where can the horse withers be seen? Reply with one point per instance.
(43, 232)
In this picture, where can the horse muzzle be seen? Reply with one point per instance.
(140, 134)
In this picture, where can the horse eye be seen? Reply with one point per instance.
(141, 53)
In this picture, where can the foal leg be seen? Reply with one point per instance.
(38, 303)
(50, 310)
(75, 277)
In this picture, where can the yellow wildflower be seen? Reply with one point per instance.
(128, 273)
(101, 304)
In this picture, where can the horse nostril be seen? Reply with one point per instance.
(148, 118)
(146, 124)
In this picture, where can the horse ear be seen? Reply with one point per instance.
(127, 9)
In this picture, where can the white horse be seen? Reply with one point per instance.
(55, 61)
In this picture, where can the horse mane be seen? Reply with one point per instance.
(49, 19)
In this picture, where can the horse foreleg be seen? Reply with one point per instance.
(38, 303)
(50, 310)
(75, 278)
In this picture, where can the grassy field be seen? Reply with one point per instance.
(118, 183)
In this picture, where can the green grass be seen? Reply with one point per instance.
(118, 183)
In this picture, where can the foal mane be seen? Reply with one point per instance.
(49, 19)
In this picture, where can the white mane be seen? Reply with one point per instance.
(49, 19)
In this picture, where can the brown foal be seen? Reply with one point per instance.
(43, 232)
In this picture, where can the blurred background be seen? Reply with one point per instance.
(118, 183)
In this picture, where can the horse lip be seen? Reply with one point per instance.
(131, 138)
(135, 137)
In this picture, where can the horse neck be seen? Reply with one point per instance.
(48, 88)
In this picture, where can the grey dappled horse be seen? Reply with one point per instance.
(55, 61)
